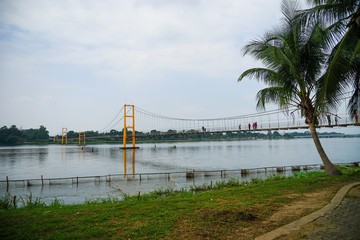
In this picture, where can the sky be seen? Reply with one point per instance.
(74, 64)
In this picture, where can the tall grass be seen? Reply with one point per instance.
(7, 202)
(29, 201)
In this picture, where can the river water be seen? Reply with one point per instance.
(63, 161)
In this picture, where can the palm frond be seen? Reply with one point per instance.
(331, 11)
(343, 64)
(354, 102)
(295, 56)
(277, 95)
(261, 74)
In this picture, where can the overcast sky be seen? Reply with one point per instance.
(75, 63)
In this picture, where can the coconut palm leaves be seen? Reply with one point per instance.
(293, 57)
(343, 70)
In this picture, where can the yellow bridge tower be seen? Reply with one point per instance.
(82, 135)
(129, 122)
(64, 138)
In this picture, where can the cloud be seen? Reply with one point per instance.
(119, 29)
(184, 55)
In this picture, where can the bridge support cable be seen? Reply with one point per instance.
(108, 127)
(273, 120)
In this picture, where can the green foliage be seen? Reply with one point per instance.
(14, 136)
(308, 175)
(342, 69)
(109, 199)
(156, 194)
(10, 136)
(351, 171)
(30, 202)
(232, 182)
(294, 57)
(256, 180)
(57, 203)
(7, 202)
(203, 187)
(36, 134)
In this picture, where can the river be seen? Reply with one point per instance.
(62, 161)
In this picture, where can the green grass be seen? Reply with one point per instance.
(198, 213)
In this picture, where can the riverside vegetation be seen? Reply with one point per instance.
(225, 210)
(10, 136)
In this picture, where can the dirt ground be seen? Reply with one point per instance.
(297, 206)
(301, 205)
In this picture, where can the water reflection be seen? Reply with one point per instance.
(125, 160)
(162, 166)
(57, 161)
(81, 153)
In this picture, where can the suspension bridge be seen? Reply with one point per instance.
(135, 122)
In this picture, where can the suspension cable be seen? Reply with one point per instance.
(106, 127)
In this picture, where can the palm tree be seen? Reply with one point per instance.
(343, 20)
(293, 57)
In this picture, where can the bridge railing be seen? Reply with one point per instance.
(272, 121)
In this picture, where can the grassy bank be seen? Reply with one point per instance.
(229, 210)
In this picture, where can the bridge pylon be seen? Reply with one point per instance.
(64, 138)
(129, 122)
(82, 136)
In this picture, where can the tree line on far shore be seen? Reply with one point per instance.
(14, 136)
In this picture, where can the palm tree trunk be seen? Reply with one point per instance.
(329, 166)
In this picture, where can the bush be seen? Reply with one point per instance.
(7, 202)
(30, 202)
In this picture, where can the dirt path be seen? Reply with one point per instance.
(342, 223)
(301, 205)
(280, 214)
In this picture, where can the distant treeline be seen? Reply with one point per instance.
(15, 136)
(115, 136)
